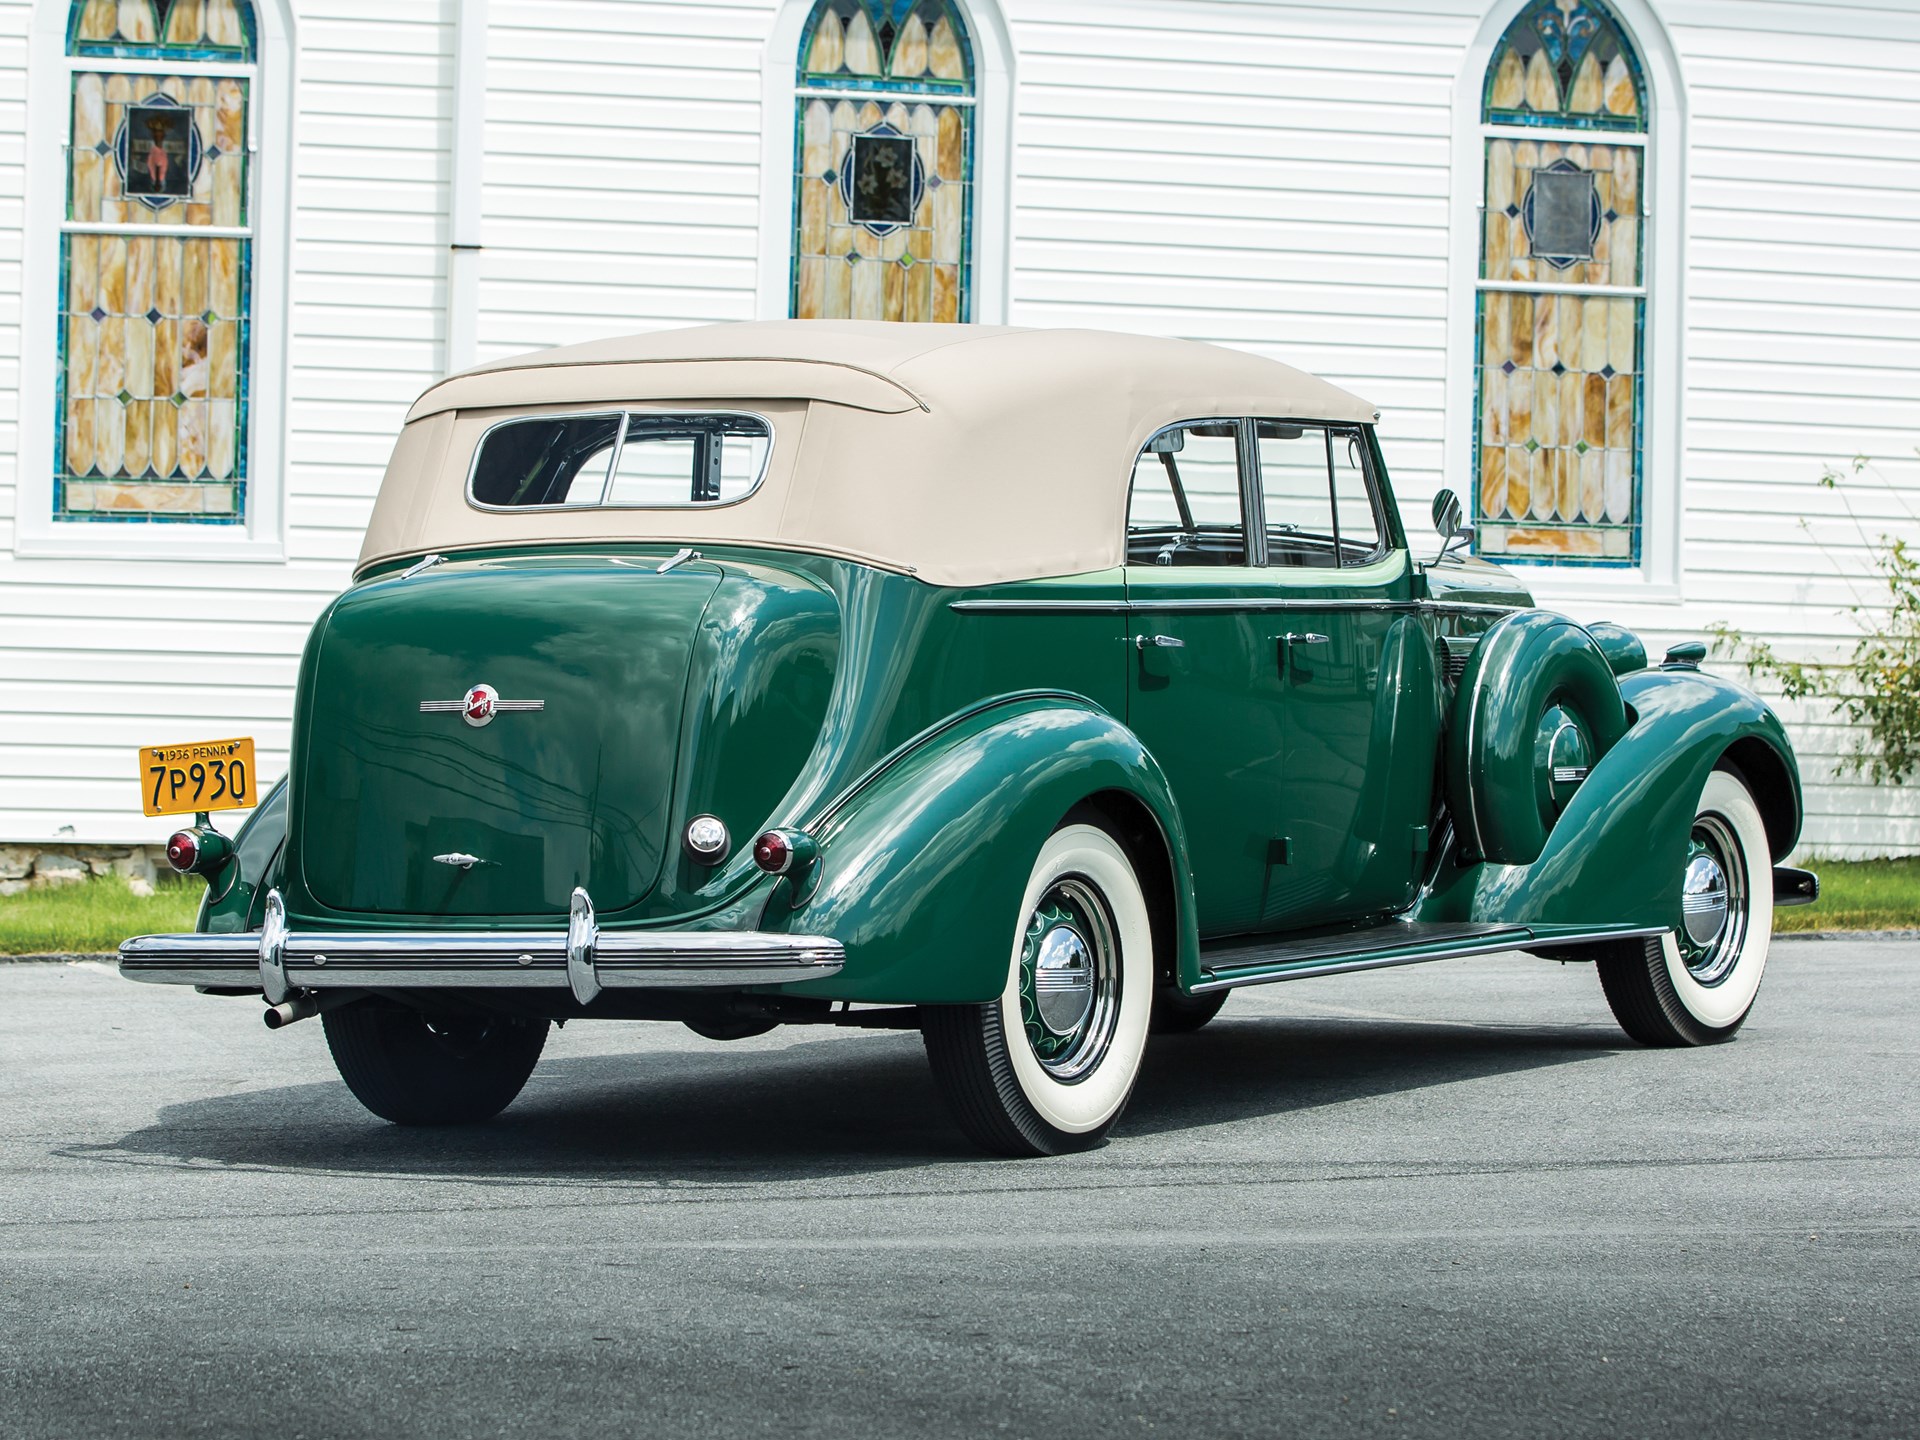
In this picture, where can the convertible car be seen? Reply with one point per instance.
(1032, 689)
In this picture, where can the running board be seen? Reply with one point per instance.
(1264, 960)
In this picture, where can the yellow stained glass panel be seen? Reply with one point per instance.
(1558, 435)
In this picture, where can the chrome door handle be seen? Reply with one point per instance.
(1164, 642)
(1309, 638)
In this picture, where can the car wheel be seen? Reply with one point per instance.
(1048, 1066)
(1175, 1013)
(414, 1068)
(1696, 985)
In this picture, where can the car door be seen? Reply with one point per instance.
(1204, 694)
(1359, 683)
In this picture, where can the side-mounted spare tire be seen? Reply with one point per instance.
(1538, 706)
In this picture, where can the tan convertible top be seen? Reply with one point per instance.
(964, 454)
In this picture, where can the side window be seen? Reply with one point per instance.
(1184, 508)
(1313, 482)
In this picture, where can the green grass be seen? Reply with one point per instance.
(1859, 895)
(94, 916)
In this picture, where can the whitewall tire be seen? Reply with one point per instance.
(1048, 1066)
(1696, 985)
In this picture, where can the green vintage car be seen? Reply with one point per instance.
(1032, 689)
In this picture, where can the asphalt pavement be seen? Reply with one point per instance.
(1442, 1201)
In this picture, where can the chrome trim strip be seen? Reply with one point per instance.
(455, 707)
(1472, 607)
(1196, 604)
(1390, 956)
(1039, 607)
(1200, 604)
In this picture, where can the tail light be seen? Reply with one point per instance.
(198, 850)
(786, 852)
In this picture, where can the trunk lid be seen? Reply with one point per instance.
(574, 792)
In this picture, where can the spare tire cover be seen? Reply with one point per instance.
(1537, 707)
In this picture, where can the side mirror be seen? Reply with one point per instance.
(1447, 524)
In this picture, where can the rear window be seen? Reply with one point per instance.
(620, 459)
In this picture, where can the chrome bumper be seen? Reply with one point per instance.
(580, 958)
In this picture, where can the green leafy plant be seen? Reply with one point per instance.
(1877, 687)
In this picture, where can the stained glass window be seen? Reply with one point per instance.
(1559, 448)
(883, 162)
(155, 259)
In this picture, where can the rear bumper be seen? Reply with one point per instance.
(580, 958)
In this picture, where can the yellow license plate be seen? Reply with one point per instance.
(206, 775)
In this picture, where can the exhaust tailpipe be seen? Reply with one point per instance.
(301, 1007)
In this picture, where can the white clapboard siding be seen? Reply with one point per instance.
(100, 656)
(1269, 174)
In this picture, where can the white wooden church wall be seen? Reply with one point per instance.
(1256, 172)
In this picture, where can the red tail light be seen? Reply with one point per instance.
(773, 852)
(788, 852)
(201, 850)
(183, 851)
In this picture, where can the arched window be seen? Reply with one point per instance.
(883, 162)
(155, 263)
(1560, 346)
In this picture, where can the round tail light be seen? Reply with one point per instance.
(788, 852)
(773, 852)
(183, 851)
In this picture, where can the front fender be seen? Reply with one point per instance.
(1616, 854)
(923, 868)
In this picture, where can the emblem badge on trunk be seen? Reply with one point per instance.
(479, 705)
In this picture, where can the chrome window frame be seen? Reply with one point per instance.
(1246, 492)
(613, 465)
(1256, 498)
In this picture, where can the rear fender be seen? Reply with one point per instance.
(923, 866)
(1617, 853)
(236, 899)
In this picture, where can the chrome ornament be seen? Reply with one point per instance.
(479, 705)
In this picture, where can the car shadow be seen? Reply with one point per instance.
(815, 1109)
(1248, 1068)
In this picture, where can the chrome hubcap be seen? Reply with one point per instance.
(1070, 980)
(1703, 898)
(1063, 979)
(1713, 901)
